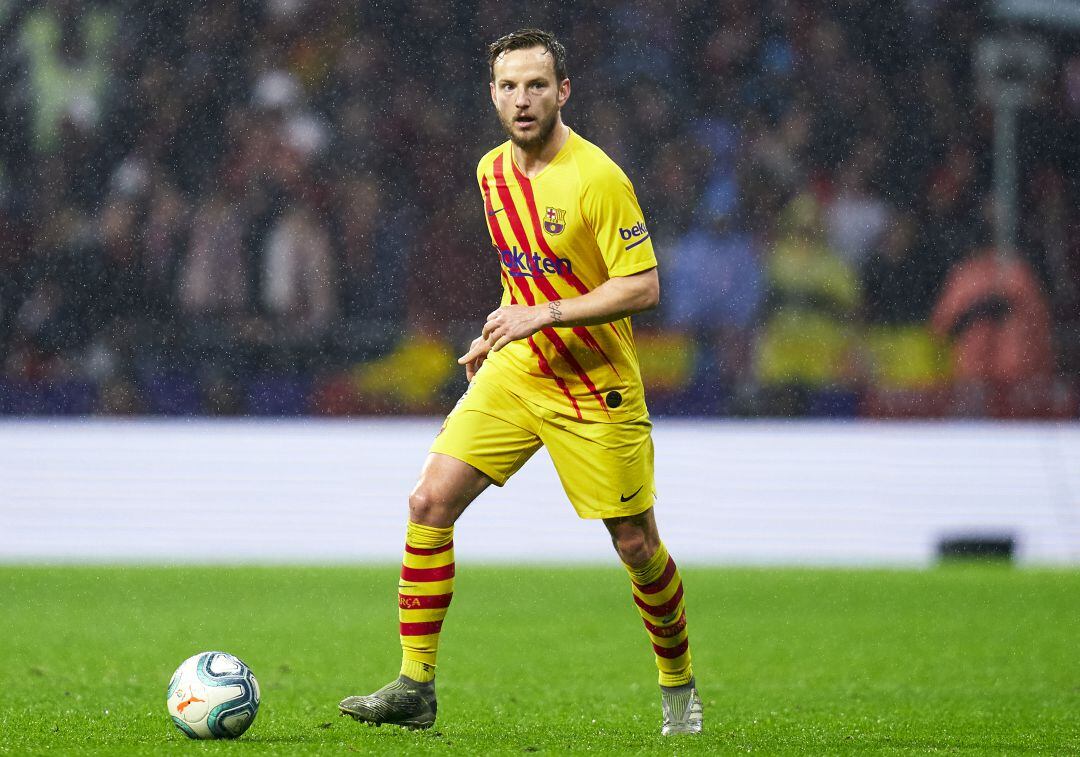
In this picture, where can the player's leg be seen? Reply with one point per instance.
(485, 440)
(617, 485)
(658, 593)
(446, 487)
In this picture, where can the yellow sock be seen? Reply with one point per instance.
(424, 594)
(658, 594)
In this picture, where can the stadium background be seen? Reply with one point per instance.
(267, 208)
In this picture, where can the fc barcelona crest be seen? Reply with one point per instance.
(554, 221)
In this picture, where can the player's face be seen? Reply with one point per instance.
(527, 96)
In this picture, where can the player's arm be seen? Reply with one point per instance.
(616, 298)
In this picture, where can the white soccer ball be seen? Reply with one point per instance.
(213, 695)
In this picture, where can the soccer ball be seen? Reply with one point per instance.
(213, 695)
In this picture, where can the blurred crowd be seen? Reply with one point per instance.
(269, 206)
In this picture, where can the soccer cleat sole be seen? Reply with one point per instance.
(375, 712)
(411, 725)
(680, 730)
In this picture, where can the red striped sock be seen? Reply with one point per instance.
(424, 594)
(658, 594)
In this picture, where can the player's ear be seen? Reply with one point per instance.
(564, 92)
(491, 86)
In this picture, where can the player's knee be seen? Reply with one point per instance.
(429, 510)
(634, 547)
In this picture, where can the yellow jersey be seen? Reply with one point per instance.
(556, 236)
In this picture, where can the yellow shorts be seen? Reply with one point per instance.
(606, 469)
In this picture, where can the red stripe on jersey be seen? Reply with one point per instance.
(500, 243)
(530, 201)
(661, 583)
(568, 356)
(586, 336)
(549, 291)
(426, 575)
(659, 611)
(436, 551)
(670, 654)
(563, 351)
(433, 602)
(517, 227)
(420, 629)
(543, 363)
(667, 632)
(496, 232)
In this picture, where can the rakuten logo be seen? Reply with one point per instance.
(524, 264)
(637, 230)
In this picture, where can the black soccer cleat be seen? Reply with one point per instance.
(404, 702)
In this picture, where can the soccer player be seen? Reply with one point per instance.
(554, 365)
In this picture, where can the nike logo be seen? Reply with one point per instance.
(493, 212)
(624, 498)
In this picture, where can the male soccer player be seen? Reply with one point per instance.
(555, 365)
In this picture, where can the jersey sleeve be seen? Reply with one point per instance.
(611, 208)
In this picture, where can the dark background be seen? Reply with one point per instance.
(270, 208)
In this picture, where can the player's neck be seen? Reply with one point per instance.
(531, 162)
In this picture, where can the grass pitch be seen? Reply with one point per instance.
(553, 660)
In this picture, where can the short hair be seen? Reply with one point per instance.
(526, 38)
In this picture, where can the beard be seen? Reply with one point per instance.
(544, 127)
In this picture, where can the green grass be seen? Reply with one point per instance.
(553, 660)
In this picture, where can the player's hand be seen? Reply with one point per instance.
(475, 357)
(512, 322)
